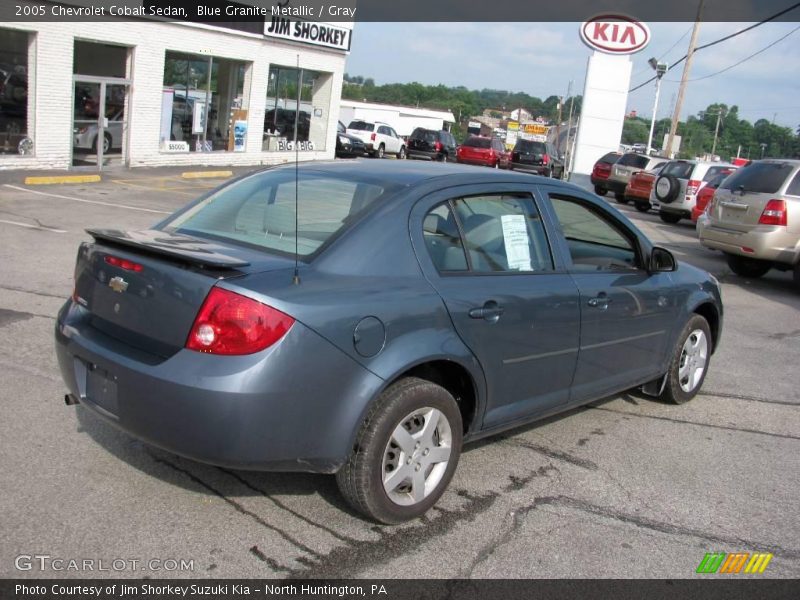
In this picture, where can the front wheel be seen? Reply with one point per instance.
(402, 154)
(690, 362)
(405, 454)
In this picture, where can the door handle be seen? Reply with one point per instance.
(490, 311)
(601, 301)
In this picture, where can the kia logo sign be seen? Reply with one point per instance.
(615, 34)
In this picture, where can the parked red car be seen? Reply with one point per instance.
(706, 193)
(477, 150)
(601, 171)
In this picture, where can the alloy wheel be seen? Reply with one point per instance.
(693, 359)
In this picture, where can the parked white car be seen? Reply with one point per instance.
(379, 138)
(675, 189)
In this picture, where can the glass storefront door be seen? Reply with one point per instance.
(100, 123)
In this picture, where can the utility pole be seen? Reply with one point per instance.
(716, 132)
(687, 66)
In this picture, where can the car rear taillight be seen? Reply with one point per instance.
(438, 146)
(124, 263)
(229, 323)
(692, 187)
(775, 213)
(372, 137)
(545, 159)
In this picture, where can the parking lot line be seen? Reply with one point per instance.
(85, 201)
(29, 226)
(205, 174)
(171, 189)
(56, 179)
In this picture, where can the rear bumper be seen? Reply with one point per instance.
(599, 182)
(538, 169)
(767, 242)
(292, 407)
(480, 162)
(423, 154)
(618, 187)
(637, 196)
(682, 205)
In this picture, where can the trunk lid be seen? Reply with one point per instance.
(145, 288)
(475, 153)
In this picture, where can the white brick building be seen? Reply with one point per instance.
(155, 82)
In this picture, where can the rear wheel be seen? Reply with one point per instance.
(670, 218)
(690, 362)
(749, 267)
(619, 197)
(443, 158)
(405, 454)
(642, 206)
(797, 275)
(381, 151)
(600, 190)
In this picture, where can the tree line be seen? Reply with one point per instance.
(735, 134)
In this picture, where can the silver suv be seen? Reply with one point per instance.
(754, 218)
(622, 171)
(675, 189)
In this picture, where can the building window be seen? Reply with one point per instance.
(14, 134)
(297, 111)
(203, 104)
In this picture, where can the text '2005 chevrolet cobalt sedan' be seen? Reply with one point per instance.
(433, 305)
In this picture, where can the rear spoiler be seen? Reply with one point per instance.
(177, 246)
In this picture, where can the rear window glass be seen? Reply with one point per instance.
(681, 170)
(529, 146)
(759, 177)
(478, 142)
(260, 210)
(361, 126)
(714, 172)
(609, 158)
(794, 187)
(424, 134)
(633, 160)
(717, 180)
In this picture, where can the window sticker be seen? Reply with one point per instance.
(517, 242)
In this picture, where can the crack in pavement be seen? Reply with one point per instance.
(507, 533)
(749, 398)
(12, 288)
(236, 506)
(659, 526)
(671, 420)
(347, 560)
(554, 454)
(279, 504)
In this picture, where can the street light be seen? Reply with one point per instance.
(660, 68)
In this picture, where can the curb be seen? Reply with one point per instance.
(206, 174)
(54, 179)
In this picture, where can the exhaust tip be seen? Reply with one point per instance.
(71, 399)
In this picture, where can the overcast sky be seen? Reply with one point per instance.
(542, 58)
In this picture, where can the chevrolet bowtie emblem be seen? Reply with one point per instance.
(118, 284)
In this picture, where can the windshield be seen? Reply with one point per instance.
(361, 126)
(260, 210)
(759, 177)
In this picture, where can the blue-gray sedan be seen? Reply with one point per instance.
(431, 305)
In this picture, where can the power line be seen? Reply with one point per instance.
(663, 54)
(720, 40)
(744, 60)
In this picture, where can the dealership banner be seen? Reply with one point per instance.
(229, 13)
(397, 589)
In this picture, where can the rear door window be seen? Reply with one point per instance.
(759, 177)
(443, 240)
(633, 160)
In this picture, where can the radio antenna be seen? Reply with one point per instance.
(296, 278)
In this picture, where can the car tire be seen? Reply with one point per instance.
(642, 206)
(690, 360)
(600, 191)
(796, 275)
(750, 268)
(444, 158)
(403, 409)
(670, 218)
(619, 197)
(673, 188)
(381, 151)
(402, 154)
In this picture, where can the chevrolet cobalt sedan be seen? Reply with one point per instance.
(367, 319)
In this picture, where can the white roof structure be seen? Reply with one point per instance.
(404, 119)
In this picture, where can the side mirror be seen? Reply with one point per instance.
(662, 261)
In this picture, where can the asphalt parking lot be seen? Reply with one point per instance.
(626, 487)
